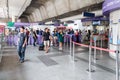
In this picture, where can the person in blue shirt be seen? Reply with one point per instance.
(22, 42)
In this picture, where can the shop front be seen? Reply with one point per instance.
(98, 27)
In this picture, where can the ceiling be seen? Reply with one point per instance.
(24, 8)
(14, 8)
(34, 4)
(46, 10)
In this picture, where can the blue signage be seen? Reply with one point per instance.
(87, 14)
(94, 23)
(98, 18)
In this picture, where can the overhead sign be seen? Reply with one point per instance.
(98, 18)
(96, 23)
(70, 21)
(88, 14)
(41, 23)
(55, 20)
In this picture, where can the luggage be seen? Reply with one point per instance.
(41, 46)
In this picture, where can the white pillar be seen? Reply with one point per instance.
(13, 18)
(114, 31)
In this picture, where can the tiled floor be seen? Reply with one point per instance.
(56, 65)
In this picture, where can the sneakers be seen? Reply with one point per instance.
(21, 61)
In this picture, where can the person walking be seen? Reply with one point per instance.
(27, 34)
(89, 34)
(61, 39)
(37, 31)
(55, 34)
(77, 36)
(34, 37)
(22, 42)
(46, 38)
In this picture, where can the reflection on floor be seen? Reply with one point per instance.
(55, 65)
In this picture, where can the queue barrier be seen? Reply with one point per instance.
(98, 48)
(90, 55)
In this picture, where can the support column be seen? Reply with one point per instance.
(13, 18)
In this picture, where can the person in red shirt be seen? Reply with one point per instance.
(77, 35)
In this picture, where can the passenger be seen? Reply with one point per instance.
(41, 32)
(27, 33)
(55, 34)
(61, 39)
(34, 37)
(80, 32)
(37, 31)
(89, 34)
(46, 36)
(72, 31)
(22, 41)
(84, 33)
(95, 31)
(69, 31)
(107, 33)
(51, 38)
(77, 35)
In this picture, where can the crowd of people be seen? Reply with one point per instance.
(54, 38)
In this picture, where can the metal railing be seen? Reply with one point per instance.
(1, 46)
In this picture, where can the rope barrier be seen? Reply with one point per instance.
(98, 48)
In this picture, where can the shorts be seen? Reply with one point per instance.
(55, 37)
(46, 43)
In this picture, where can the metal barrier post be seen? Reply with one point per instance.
(64, 41)
(95, 53)
(70, 46)
(117, 65)
(0, 48)
(90, 58)
(73, 51)
(101, 43)
(67, 41)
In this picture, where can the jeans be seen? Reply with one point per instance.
(34, 43)
(21, 52)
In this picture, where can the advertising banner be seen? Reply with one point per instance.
(110, 5)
